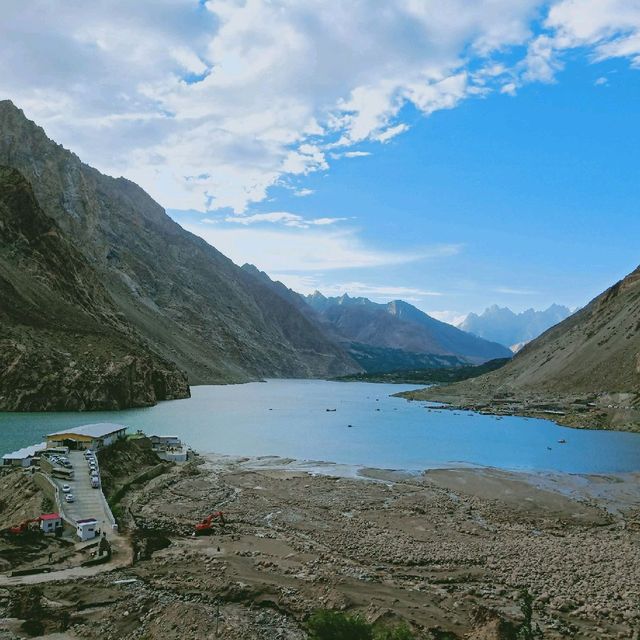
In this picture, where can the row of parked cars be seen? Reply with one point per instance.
(61, 461)
(92, 463)
(68, 496)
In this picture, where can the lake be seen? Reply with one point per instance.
(289, 418)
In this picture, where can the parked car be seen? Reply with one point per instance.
(69, 497)
(66, 488)
(95, 482)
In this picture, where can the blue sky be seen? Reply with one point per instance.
(539, 191)
(454, 155)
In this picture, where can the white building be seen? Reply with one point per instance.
(169, 448)
(49, 522)
(88, 436)
(87, 529)
(24, 457)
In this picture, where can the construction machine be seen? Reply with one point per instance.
(205, 527)
(24, 527)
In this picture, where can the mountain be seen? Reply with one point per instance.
(584, 371)
(187, 301)
(63, 343)
(502, 325)
(401, 327)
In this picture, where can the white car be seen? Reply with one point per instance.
(69, 497)
(66, 488)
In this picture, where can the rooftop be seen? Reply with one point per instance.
(25, 452)
(87, 521)
(50, 516)
(98, 430)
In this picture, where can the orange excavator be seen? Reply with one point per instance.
(205, 527)
(23, 527)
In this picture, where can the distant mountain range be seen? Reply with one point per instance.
(513, 330)
(585, 371)
(399, 326)
(387, 337)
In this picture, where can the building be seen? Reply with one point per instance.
(49, 522)
(166, 441)
(87, 529)
(24, 457)
(88, 436)
(169, 448)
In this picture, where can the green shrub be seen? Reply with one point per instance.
(398, 633)
(333, 625)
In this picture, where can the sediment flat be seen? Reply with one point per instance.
(447, 550)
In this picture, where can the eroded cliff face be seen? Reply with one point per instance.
(63, 343)
(190, 303)
(39, 377)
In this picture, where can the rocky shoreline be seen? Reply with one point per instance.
(618, 412)
(447, 552)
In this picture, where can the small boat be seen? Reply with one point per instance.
(563, 441)
(330, 409)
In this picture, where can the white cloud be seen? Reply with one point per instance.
(279, 217)
(510, 88)
(515, 291)
(387, 291)
(353, 154)
(451, 317)
(299, 250)
(209, 105)
(605, 28)
(309, 283)
(389, 133)
(601, 81)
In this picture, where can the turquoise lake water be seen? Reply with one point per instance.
(289, 418)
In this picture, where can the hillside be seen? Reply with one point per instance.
(190, 303)
(63, 344)
(427, 375)
(400, 326)
(584, 371)
(513, 330)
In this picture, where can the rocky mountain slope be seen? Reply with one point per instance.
(63, 344)
(584, 371)
(513, 330)
(399, 325)
(190, 303)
